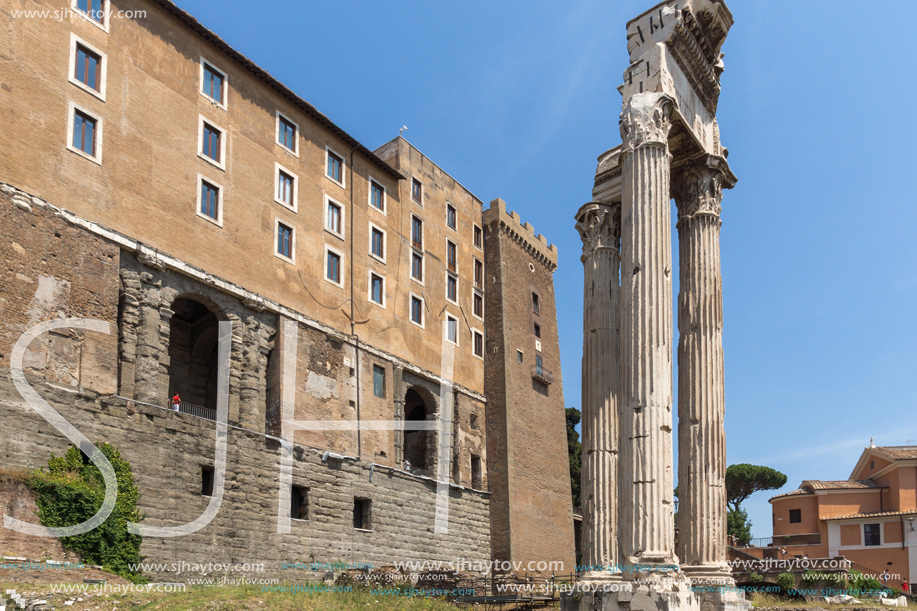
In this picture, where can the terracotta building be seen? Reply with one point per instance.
(200, 190)
(868, 519)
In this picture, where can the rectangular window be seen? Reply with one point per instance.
(417, 310)
(519, 356)
(299, 503)
(451, 258)
(284, 241)
(450, 216)
(416, 233)
(795, 516)
(417, 266)
(88, 67)
(476, 483)
(539, 365)
(206, 481)
(417, 191)
(478, 237)
(286, 189)
(333, 267)
(93, 9)
(333, 220)
(377, 289)
(286, 133)
(377, 195)
(451, 288)
(478, 273)
(210, 142)
(478, 343)
(361, 513)
(478, 305)
(377, 245)
(210, 200)
(213, 83)
(535, 305)
(872, 534)
(335, 167)
(537, 330)
(379, 381)
(452, 329)
(84, 133)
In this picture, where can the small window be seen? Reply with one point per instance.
(476, 472)
(211, 140)
(376, 195)
(94, 9)
(519, 356)
(379, 381)
(335, 167)
(210, 200)
(286, 188)
(479, 273)
(333, 267)
(377, 242)
(213, 83)
(417, 310)
(795, 516)
(84, 133)
(286, 133)
(451, 256)
(450, 216)
(452, 329)
(478, 237)
(334, 221)
(361, 513)
(872, 535)
(416, 233)
(535, 305)
(478, 338)
(206, 481)
(285, 241)
(88, 67)
(451, 288)
(474, 422)
(377, 289)
(478, 306)
(417, 191)
(537, 330)
(417, 266)
(539, 365)
(299, 503)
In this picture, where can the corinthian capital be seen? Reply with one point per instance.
(599, 226)
(646, 119)
(698, 187)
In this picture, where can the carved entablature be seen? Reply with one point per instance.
(646, 119)
(599, 226)
(697, 187)
(609, 180)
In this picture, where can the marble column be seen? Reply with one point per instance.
(701, 391)
(599, 227)
(646, 500)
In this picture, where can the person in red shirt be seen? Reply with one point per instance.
(176, 402)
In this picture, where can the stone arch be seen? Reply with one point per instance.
(193, 349)
(420, 446)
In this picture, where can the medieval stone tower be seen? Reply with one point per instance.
(531, 508)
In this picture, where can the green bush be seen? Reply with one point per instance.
(861, 582)
(72, 490)
(787, 581)
(755, 578)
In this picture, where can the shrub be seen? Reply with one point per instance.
(787, 581)
(755, 578)
(72, 490)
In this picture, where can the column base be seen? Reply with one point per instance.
(723, 598)
(669, 593)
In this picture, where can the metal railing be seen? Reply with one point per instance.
(207, 413)
(545, 376)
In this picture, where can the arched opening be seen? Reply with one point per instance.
(193, 336)
(417, 444)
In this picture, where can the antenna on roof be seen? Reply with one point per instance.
(402, 130)
(871, 443)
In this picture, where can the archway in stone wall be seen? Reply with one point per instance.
(418, 445)
(193, 354)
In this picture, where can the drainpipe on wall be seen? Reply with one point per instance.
(352, 312)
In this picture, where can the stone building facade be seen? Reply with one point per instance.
(156, 179)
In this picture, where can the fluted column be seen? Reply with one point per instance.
(599, 227)
(701, 390)
(646, 478)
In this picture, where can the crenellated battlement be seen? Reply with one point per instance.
(522, 233)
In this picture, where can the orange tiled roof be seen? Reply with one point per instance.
(840, 484)
(875, 514)
(895, 452)
(793, 493)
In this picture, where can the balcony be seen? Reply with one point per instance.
(451, 265)
(540, 374)
(417, 243)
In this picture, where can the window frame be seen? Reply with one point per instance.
(383, 211)
(292, 258)
(450, 317)
(454, 277)
(377, 367)
(97, 133)
(423, 267)
(423, 314)
(536, 303)
(453, 265)
(536, 330)
(798, 515)
(328, 153)
(419, 248)
(330, 200)
(475, 333)
(330, 249)
(475, 294)
(224, 89)
(420, 184)
(303, 495)
(102, 25)
(75, 43)
(295, 150)
(369, 294)
(366, 514)
(277, 170)
(373, 227)
(451, 211)
(474, 229)
(878, 535)
(478, 264)
(200, 143)
(220, 200)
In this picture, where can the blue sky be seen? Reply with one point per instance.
(517, 99)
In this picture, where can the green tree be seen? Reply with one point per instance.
(743, 480)
(574, 416)
(738, 525)
(72, 490)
